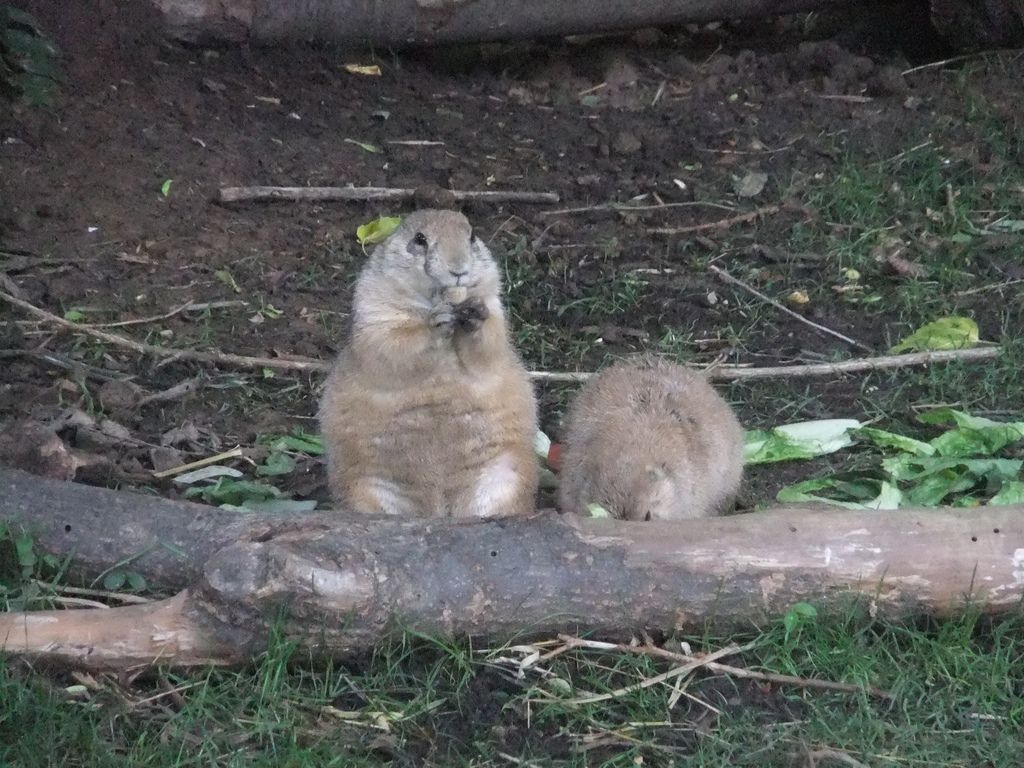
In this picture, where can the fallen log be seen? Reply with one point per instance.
(968, 24)
(337, 583)
(402, 22)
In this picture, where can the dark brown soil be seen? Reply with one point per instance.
(671, 115)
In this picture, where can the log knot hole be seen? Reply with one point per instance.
(262, 574)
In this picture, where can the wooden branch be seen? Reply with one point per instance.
(725, 277)
(213, 356)
(264, 194)
(339, 583)
(857, 365)
(722, 224)
(312, 365)
(394, 23)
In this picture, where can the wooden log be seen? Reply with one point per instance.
(402, 22)
(393, 194)
(339, 583)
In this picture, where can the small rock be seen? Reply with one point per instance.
(165, 458)
(119, 396)
(887, 81)
(213, 86)
(751, 185)
(627, 143)
(36, 448)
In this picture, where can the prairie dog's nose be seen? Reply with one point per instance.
(458, 274)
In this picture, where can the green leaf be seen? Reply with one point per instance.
(596, 510)
(299, 441)
(884, 439)
(165, 188)
(235, 492)
(798, 615)
(802, 440)
(74, 316)
(857, 493)
(276, 463)
(366, 147)
(24, 549)
(114, 580)
(974, 434)
(377, 231)
(228, 279)
(947, 333)
(541, 445)
(136, 581)
(1012, 492)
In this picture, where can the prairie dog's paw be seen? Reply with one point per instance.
(471, 314)
(443, 317)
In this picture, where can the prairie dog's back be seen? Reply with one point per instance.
(651, 440)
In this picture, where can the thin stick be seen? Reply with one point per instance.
(70, 602)
(727, 278)
(768, 677)
(833, 754)
(685, 669)
(625, 208)
(215, 357)
(141, 320)
(310, 365)
(234, 453)
(954, 60)
(992, 287)
(767, 210)
(254, 194)
(857, 365)
(63, 589)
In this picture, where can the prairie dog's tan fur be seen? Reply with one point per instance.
(650, 440)
(429, 410)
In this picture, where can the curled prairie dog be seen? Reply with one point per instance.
(429, 410)
(650, 440)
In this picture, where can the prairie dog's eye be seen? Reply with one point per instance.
(420, 239)
(472, 238)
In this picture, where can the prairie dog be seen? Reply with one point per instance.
(650, 440)
(429, 410)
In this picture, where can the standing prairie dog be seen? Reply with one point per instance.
(429, 410)
(651, 440)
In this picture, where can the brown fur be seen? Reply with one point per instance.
(650, 440)
(429, 410)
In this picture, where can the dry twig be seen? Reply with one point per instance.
(310, 365)
(627, 208)
(767, 677)
(857, 365)
(214, 357)
(123, 597)
(255, 194)
(691, 664)
(827, 753)
(727, 278)
(742, 218)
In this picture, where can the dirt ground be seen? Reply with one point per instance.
(672, 116)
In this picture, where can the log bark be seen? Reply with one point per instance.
(402, 22)
(338, 583)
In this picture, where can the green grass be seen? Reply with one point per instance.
(958, 700)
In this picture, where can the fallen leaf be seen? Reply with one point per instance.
(750, 185)
(377, 231)
(365, 146)
(947, 333)
(371, 70)
(228, 279)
